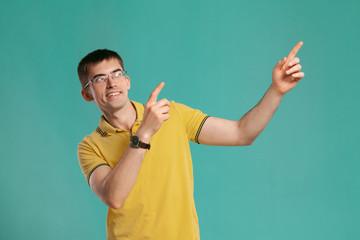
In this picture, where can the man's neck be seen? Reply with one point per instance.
(123, 118)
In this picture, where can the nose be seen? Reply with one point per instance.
(111, 82)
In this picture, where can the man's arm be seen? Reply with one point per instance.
(222, 132)
(113, 186)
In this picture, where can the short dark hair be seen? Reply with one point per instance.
(93, 58)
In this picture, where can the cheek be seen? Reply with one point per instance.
(97, 96)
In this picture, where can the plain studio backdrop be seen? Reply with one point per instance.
(299, 180)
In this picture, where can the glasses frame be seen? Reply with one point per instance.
(106, 77)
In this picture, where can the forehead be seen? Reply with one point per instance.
(104, 67)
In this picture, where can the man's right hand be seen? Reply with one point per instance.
(155, 113)
(113, 185)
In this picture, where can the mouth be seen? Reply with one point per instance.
(113, 94)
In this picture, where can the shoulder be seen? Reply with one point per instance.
(183, 109)
(179, 107)
(90, 140)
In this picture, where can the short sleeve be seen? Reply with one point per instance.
(89, 160)
(193, 120)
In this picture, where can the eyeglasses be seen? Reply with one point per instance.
(100, 80)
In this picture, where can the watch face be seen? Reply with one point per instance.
(134, 141)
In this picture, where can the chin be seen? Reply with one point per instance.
(115, 105)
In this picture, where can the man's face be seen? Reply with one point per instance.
(112, 95)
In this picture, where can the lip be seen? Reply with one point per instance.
(113, 96)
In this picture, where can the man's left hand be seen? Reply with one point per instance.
(286, 73)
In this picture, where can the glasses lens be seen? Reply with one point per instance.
(100, 79)
(117, 74)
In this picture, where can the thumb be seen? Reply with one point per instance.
(281, 63)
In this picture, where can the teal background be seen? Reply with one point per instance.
(299, 180)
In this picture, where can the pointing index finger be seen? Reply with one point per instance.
(294, 50)
(154, 94)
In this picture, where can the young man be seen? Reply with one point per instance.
(138, 159)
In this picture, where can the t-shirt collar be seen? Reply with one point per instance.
(105, 128)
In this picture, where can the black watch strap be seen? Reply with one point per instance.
(135, 142)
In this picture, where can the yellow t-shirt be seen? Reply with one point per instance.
(161, 203)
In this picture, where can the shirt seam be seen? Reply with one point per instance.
(199, 129)
(88, 178)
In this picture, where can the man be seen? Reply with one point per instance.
(138, 159)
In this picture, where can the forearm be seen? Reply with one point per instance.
(254, 122)
(120, 181)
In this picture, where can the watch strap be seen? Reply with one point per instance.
(144, 145)
(135, 142)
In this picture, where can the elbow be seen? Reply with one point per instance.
(245, 142)
(244, 137)
(114, 204)
(110, 198)
(241, 143)
(113, 201)
(248, 143)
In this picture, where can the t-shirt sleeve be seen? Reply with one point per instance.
(193, 120)
(89, 159)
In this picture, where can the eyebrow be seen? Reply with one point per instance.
(101, 74)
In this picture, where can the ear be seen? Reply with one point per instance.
(86, 95)
(128, 82)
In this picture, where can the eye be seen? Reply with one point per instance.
(117, 74)
(99, 79)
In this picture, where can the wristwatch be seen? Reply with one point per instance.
(135, 142)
